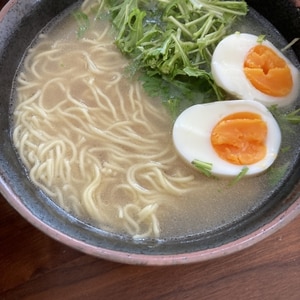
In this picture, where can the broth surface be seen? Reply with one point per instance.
(94, 142)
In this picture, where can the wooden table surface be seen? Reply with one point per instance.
(34, 266)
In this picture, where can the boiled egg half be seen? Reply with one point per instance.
(254, 69)
(229, 136)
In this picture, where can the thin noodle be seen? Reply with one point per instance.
(91, 139)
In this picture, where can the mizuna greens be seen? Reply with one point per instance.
(171, 42)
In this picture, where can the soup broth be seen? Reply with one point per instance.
(96, 144)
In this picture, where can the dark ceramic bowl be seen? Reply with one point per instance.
(20, 21)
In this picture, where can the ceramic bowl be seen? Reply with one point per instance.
(20, 21)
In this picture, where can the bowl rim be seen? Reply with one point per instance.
(6, 8)
(154, 260)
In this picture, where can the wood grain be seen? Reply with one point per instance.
(34, 266)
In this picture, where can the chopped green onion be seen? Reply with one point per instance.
(203, 167)
(293, 117)
(260, 38)
(240, 175)
(286, 119)
(277, 173)
(285, 149)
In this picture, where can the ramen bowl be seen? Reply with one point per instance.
(20, 22)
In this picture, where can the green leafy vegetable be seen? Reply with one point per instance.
(175, 94)
(285, 149)
(290, 44)
(277, 173)
(286, 119)
(83, 23)
(204, 167)
(292, 117)
(261, 38)
(173, 40)
(240, 175)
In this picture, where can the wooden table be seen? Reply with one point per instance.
(34, 266)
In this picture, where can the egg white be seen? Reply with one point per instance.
(227, 70)
(192, 134)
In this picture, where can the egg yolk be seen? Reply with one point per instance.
(240, 138)
(268, 72)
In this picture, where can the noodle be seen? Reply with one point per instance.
(93, 142)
